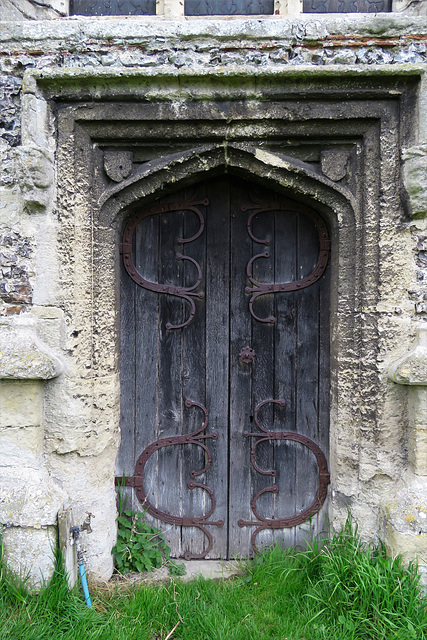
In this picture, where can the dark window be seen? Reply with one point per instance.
(346, 6)
(228, 7)
(113, 7)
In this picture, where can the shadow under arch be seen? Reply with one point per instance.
(294, 178)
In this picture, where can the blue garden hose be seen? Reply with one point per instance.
(75, 532)
(84, 585)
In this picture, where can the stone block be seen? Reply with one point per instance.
(406, 524)
(411, 369)
(75, 422)
(35, 167)
(29, 497)
(22, 355)
(415, 179)
(29, 553)
(21, 403)
(10, 207)
(22, 445)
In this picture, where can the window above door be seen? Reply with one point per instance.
(176, 8)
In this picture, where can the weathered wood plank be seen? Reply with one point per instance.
(307, 370)
(263, 342)
(217, 349)
(285, 365)
(67, 546)
(241, 413)
(169, 392)
(195, 502)
(125, 462)
(146, 353)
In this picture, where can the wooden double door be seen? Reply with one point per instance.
(224, 367)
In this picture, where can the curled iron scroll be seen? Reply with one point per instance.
(186, 293)
(262, 288)
(137, 481)
(323, 477)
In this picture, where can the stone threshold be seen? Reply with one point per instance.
(208, 569)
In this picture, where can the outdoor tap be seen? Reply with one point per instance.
(86, 523)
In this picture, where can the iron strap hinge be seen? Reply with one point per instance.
(125, 247)
(129, 481)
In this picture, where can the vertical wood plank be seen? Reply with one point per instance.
(324, 384)
(67, 546)
(125, 462)
(285, 365)
(169, 393)
(196, 502)
(217, 348)
(263, 374)
(146, 354)
(307, 372)
(241, 414)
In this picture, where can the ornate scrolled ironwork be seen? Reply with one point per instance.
(263, 523)
(137, 481)
(186, 293)
(262, 288)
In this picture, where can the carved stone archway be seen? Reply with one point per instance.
(338, 170)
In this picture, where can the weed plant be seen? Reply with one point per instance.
(337, 590)
(140, 546)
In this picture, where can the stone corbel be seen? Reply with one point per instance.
(29, 497)
(35, 177)
(406, 512)
(411, 370)
(23, 356)
(415, 179)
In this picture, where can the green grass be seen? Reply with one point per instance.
(342, 590)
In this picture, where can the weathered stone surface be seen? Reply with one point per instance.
(82, 416)
(30, 553)
(16, 270)
(406, 525)
(20, 443)
(21, 403)
(30, 10)
(415, 179)
(417, 435)
(35, 174)
(23, 356)
(334, 164)
(29, 497)
(118, 164)
(265, 99)
(411, 369)
(10, 126)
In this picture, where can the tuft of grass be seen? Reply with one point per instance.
(339, 589)
(347, 588)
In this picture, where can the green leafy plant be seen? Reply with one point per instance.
(140, 546)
